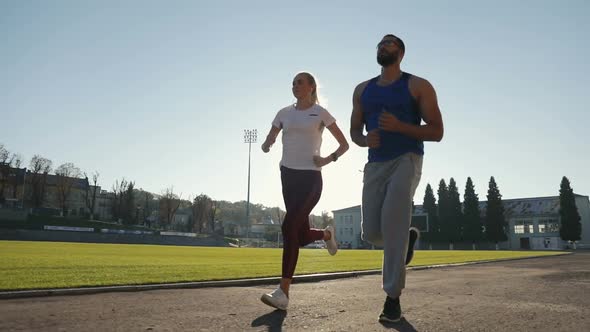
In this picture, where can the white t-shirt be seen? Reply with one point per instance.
(302, 135)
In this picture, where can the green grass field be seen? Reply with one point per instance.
(38, 265)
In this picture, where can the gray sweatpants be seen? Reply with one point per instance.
(388, 190)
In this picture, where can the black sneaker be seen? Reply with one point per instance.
(414, 235)
(392, 311)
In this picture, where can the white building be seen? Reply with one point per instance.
(266, 227)
(533, 223)
(348, 227)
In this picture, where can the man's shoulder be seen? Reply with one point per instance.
(417, 80)
(363, 83)
(419, 85)
(358, 90)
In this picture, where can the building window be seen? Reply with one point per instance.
(548, 225)
(523, 226)
(528, 226)
(347, 220)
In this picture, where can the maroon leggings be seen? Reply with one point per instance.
(301, 192)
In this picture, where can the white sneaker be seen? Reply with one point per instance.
(331, 244)
(276, 299)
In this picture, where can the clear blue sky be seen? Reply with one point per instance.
(159, 92)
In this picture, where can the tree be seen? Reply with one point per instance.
(280, 214)
(201, 210)
(445, 225)
(327, 220)
(213, 216)
(129, 210)
(571, 228)
(39, 167)
(4, 171)
(90, 193)
(429, 206)
(496, 226)
(119, 191)
(9, 166)
(169, 203)
(147, 207)
(455, 215)
(3, 154)
(67, 175)
(323, 220)
(16, 160)
(232, 211)
(472, 226)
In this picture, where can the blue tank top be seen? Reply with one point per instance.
(396, 99)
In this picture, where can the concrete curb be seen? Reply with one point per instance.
(426, 267)
(230, 283)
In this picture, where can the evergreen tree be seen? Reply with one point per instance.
(130, 210)
(455, 213)
(495, 220)
(429, 206)
(443, 211)
(472, 226)
(571, 228)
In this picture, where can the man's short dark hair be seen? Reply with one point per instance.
(399, 42)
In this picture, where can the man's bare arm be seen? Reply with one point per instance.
(356, 119)
(428, 105)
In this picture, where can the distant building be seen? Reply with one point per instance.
(257, 230)
(265, 227)
(181, 219)
(234, 228)
(533, 223)
(103, 208)
(76, 200)
(12, 187)
(347, 223)
(16, 191)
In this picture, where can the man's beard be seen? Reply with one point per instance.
(386, 59)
